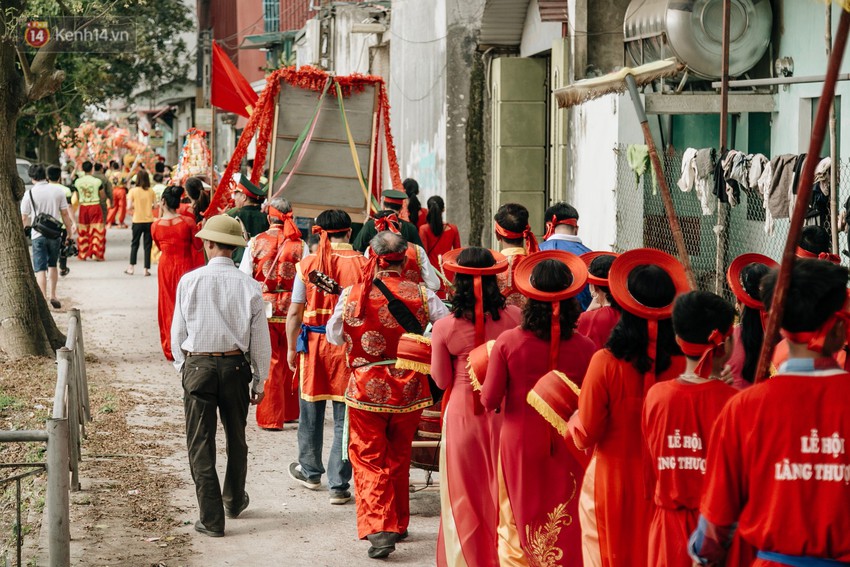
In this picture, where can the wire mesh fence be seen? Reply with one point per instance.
(642, 221)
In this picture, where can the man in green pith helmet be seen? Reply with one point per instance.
(393, 201)
(248, 198)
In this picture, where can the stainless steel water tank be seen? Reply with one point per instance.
(692, 31)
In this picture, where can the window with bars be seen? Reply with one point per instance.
(271, 15)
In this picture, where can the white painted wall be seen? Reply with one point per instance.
(537, 36)
(417, 91)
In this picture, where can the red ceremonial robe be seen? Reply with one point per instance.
(469, 490)
(610, 413)
(539, 479)
(176, 240)
(506, 278)
(384, 404)
(677, 421)
(323, 372)
(778, 465)
(598, 324)
(273, 259)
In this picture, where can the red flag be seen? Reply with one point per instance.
(230, 90)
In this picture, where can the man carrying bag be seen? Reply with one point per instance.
(41, 208)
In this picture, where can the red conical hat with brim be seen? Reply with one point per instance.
(588, 258)
(733, 277)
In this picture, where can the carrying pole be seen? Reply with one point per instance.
(722, 228)
(804, 195)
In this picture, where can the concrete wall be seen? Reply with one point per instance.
(249, 18)
(801, 37)
(537, 36)
(351, 50)
(417, 90)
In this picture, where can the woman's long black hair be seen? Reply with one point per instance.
(752, 332)
(436, 208)
(550, 275)
(172, 195)
(463, 298)
(629, 340)
(414, 207)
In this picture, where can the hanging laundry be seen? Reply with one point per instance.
(758, 162)
(792, 193)
(733, 172)
(822, 175)
(763, 185)
(691, 179)
(637, 156)
(778, 200)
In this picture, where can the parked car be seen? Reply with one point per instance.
(23, 171)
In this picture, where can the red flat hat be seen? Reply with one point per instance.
(476, 364)
(414, 353)
(450, 264)
(733, 277)
(522, 276)
(555, 397)
(618, 280)
(588, 258)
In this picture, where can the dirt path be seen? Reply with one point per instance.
(136, 481)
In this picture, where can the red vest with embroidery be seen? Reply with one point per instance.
(412, 270)
(374, 338)
(506, 282)
(346, 268)
(276, 277)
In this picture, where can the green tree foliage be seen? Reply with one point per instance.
(91, 79)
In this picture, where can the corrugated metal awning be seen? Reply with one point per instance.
(502, 22)
(553, 10)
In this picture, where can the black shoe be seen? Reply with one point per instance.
(298, 475)
(201, 528)
(340, 497)
(383, 543)
(55, 303)
(235, 513)
(64, 272)
(403, 535)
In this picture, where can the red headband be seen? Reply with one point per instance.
(705, 351)
(530, 241)
(290, 229)
(550, 225)
(389, 222)
(394, 201)
(814, 340)
(375, 260)
(324, 251)
(834, 258)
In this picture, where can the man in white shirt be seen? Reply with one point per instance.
(49, 199)
(220, 342)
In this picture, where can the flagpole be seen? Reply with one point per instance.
(213, 150)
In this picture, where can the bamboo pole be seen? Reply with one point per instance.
(722, 208)
(804, 194)
(833, 146)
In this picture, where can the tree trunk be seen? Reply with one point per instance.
(48, 149)
(24, 316)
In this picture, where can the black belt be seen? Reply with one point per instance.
(236, 352)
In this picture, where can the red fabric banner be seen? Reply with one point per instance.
(230, 90)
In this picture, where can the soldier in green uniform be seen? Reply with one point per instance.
(248, 198)
(393, 201)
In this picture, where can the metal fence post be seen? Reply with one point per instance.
(72, 404)
(58, 514)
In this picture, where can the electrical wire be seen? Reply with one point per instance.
(427, 93)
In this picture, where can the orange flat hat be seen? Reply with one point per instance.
(414, 353)
(522, 276)
(477, 362)
(450, 263)
(733, 277)
(618, 280)
(588, 258)
(555, 397)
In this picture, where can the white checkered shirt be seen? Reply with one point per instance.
(220, 309)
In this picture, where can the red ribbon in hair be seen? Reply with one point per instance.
(550, 225)
(290, 229)
(803, 253)
(555, 339)
(530, 240)
(389, 222)
(814, 340)
(705, 351)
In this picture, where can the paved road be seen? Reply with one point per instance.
(285, 524)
